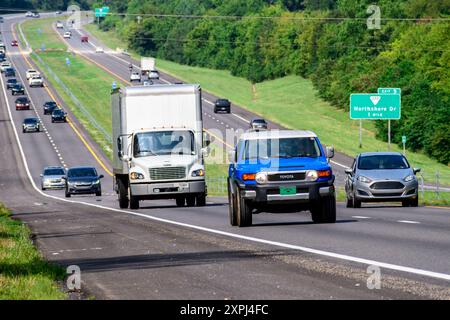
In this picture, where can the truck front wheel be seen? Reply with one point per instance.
(190, 201)
(324, 210)
(180, 201)
(244, 211)
(123, 194)
(201, 200)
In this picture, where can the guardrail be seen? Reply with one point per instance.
(74, 99)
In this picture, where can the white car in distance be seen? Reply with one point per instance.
(99, 50)
(67, 34)
(5, 65)
(59, 25)
(36, 81)
(31, 73)
(153, 74)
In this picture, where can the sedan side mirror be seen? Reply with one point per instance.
(416, 170)
(41, 175)
(330, 152)
(101, 176)
(349, 171)
(232, 156)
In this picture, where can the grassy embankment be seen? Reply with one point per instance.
(291, 101)
(24, 274)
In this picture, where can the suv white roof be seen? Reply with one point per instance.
(277, 134)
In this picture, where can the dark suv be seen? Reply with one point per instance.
(83, 180)
(18, 89)
(222, 105)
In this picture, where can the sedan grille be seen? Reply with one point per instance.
(387, 185)
(167, 173)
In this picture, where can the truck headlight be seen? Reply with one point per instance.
(409, 178)
(364, 179)
(136, 176)
(198, 173)
(261, 177)
(311, 175)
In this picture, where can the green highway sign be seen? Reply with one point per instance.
(389, 91)
(101, 12)
(375, 106)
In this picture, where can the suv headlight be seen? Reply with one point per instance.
(364, 179)
(136, 176)
(198, 173)
(261, 177)
(409, 178)
(311, 175)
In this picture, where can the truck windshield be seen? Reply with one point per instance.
(382, 162)
(281, 148)
(163, 143)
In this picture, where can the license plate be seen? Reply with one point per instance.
(288, 191)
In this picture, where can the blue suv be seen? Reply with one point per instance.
(280, 171)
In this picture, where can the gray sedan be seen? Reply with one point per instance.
(51, 178)
(381, 177)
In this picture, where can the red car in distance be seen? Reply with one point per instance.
(14, 43)
(22, 103)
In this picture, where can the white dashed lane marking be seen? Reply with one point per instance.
(408, 221)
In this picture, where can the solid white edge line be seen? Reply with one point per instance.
(408, 221)
(389, 266)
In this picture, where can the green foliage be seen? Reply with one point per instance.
(276, 38)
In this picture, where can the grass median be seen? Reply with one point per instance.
(24, 274)
(291, 101)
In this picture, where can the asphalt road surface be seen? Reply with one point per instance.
(161, 251)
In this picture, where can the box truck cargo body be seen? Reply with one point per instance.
(158, 144)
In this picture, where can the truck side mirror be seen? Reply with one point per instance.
(206, 139)
(232, 156)
(205, 151)
(416, 170)
(330, 152)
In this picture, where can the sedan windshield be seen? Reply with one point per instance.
(53, 172)
(281, 148)
(82, 172)
(382, 162)
(30, 121)
(163, 143)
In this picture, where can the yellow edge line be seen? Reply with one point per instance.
(70, 122)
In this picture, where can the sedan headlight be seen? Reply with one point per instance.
(409, 178)
(136, 176)
(261, 177)
(311, 175)
(198, 173)
(96, 181)
(364, 179)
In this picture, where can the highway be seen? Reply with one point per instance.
(162, 251)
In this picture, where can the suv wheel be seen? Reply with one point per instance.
(324, 210)
(244, 211)
(349, 202)
(232, 206)
(414, 202)
(215, 110)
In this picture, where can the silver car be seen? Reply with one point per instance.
(31, 125)
(51, 178)
(381, 177)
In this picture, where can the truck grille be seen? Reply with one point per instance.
(387, 185)
(280, 177)
(167, 173)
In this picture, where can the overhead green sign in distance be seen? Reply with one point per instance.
(389, 91)
(374, 106)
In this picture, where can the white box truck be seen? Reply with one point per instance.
(147, 65)
(158, 144)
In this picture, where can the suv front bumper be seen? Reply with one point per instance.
(305, 192)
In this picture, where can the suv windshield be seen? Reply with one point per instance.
(82, 172)
(382, 162)
(163, 143)
(281, 148)
(53, 172)
(30, 121)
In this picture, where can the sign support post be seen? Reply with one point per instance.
(360, 133)
(389, 135)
